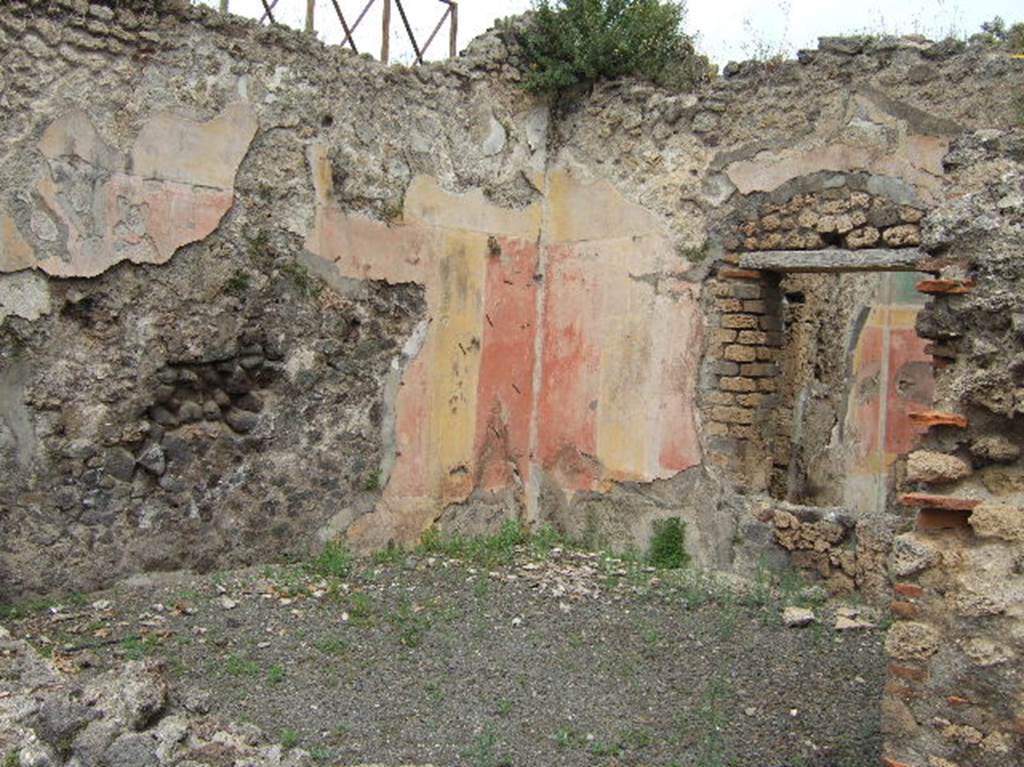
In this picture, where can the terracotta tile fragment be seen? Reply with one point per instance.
(944, 287)
(928, 501)
(937, 418)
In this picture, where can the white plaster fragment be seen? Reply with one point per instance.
(24, 294)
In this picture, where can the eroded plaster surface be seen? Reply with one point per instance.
(874, 135)
(92, 206)
(563, 341)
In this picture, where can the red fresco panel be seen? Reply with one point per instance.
(911, 387)
(505, 391)
(567, 414)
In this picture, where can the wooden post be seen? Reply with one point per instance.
(453, 31)
(385, 40)
(223, 6)
(310, 5)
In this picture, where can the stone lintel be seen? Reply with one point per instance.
(836, 260)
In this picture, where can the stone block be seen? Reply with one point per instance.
(911, 555)
(909, 640)
(725, 368)
(727, 414)
(739, 321)
(936, 468)
(746, 291)
(752, 337)
(758, 369)
(997, 519)
(902, 236)
(729, 305)
(754, 307)
(742, 431)
(738, 353)
(865, 237)
(738, 384)
(751, 400)
(995, 448)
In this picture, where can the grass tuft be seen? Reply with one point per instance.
(335, 561)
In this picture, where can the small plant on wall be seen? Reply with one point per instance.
(578, 42)
(668, 544)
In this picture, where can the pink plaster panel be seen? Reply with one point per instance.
(571, 365)
(506, 397)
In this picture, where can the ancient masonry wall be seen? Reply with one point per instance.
(955, 695)
(256, 294)
(249, 304)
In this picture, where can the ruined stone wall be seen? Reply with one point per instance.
(225, 405)
(258, 293)
(954, 695)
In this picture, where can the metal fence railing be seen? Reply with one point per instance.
(449, 16)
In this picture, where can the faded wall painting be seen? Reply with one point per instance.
(562, 340)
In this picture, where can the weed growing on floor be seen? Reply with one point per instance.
(334, 562)
(331, 646)
(603, 748)
(487, 551)
(713, 719)
(392, 555)
(566, 737)
(236, 665)
(275, 675)
(410, 623)
(288, 580)
(484, 751)
(668, 545)
(728, 613)
(360, 609)
(761, 594)
(25, 609)
(289, 738)
(137, 648)
(320, 754)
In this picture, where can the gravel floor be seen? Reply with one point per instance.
(430, 660)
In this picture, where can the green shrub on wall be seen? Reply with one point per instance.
(668, 544)
(573, 42)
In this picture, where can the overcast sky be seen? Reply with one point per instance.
(726, 30)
